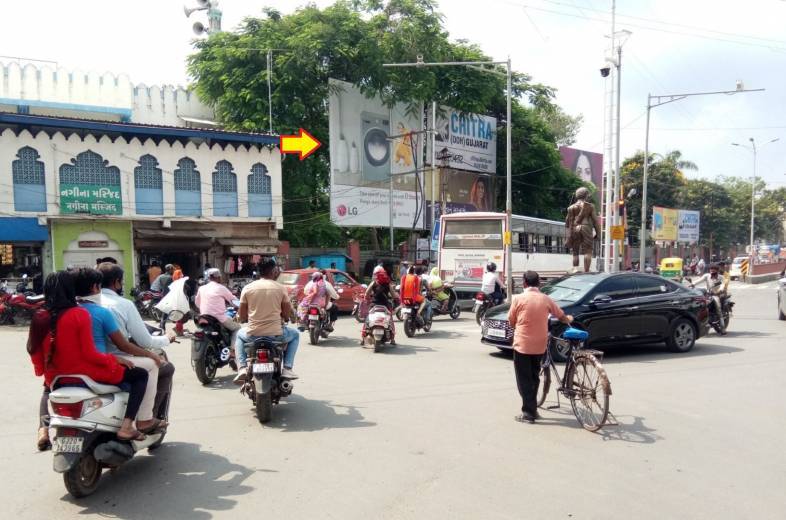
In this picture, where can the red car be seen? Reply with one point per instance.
(296, 279)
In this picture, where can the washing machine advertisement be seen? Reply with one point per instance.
(374, 161)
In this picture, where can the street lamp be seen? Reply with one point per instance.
(658, 101)
(478, 65)
(752, 147)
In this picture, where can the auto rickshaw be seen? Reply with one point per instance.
(671, 269)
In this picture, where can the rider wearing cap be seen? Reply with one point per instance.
(212, 299)
(714, 284)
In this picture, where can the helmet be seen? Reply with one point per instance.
(491, 267)
(381, 277)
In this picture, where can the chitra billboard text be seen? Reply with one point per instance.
(370, 144)
(468, 140)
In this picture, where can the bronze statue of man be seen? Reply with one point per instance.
(579, 224)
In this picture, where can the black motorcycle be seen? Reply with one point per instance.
(264, 385)
(414, 321)
(483, 302)
(146, 301)
(726, 308)
(318, 324)
(211, 348)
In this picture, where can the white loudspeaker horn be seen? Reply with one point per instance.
(199, 28)
(189, 10)
(204, 4)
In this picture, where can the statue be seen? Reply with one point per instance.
(580, 222)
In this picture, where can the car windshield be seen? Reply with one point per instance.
(571, 289)
(287, 278)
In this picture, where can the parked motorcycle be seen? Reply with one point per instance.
(264, 385)
(146, 301)
(378, 327)
(453, 310)
(211, 348)
(86, 417)
(20, 307)
(414, 321)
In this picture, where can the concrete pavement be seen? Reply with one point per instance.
(426, 430)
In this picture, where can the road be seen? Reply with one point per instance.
(426, 431)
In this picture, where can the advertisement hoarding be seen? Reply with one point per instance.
(688, 226)
(368, 146)
(588, 166)
(470, 140)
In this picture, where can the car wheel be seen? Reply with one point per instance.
(682, 336)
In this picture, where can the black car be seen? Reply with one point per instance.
(617, 308)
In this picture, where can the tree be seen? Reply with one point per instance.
(350, 41)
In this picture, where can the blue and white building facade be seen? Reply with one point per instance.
(93, 166)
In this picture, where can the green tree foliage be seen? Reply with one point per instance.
(725, 204)
(350, 41)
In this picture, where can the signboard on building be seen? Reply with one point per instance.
(664, 224)
(688, 226)
(588, 166)
(370, 144)
(90, 199)
(469, 141)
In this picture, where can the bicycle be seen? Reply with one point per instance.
(584, 380)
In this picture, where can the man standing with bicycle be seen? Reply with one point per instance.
(529, 318)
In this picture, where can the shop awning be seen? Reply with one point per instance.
(22, 229)
(250, 246)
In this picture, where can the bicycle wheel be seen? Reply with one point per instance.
(589, 389)
(545, 384)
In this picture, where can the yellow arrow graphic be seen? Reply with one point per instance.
(303, 144)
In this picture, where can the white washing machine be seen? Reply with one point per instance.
(375, 129)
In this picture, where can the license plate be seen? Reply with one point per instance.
(406, 311)
(264, 368)
(497, 333)
(67, 444)
(313, 317)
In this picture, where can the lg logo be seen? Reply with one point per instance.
(343, 211)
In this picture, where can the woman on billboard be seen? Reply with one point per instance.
(479, 195)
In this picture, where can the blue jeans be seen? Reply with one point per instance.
(291, 337)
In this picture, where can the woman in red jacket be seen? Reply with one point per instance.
(67, 348)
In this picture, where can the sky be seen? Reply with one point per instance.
(676, 46)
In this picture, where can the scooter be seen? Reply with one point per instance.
(453, 310)
(86, 417)
(378, 327)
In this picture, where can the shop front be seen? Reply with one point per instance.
(80, 243)
(22, 250)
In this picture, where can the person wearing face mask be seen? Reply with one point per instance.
(131, 324)
(713, 283)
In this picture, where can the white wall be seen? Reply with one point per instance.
(59, 150)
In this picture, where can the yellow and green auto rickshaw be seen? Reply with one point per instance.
(671, 268)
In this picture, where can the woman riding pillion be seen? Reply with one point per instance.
(314, 293)
(437, 288)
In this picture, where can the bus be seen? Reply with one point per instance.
(468, 241)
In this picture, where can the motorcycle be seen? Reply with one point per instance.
(725, 303)
(211, 348)
(483, 302)
(86, 417)
(318, 323)
(414, 321)
(264, 385)
(146, 301)
(453, 310)
(378, 327)
(20, 306)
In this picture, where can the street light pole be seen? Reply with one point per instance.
(478, 65)
(658, 101)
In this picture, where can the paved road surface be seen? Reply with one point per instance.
(427, 431)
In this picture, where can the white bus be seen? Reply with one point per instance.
(468, 241)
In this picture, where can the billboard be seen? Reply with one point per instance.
(588, 166)
(470, 140)
(688, 226)
(365, 153)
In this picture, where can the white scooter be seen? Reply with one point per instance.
(86, 417)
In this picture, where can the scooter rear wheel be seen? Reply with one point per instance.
(82, 479)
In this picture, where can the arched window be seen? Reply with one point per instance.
(260, 200)
(148, 187)
(224, 190)
(29, 181)
(188, 189)
(90, 185)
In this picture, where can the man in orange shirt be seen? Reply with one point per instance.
(411, 285)
(529, 318)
